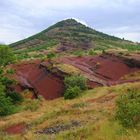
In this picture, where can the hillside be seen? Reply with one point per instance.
(70, 34)
(89, 117)
(70, 82)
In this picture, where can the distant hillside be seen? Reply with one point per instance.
(70, 34)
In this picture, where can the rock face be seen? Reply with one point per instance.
(105, 69)
(58, 128)
(46, 79)
(33, 77)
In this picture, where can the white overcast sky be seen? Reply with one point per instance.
(22, 18)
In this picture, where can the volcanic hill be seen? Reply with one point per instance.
(40, 74)
(70, 34)
(70, 59)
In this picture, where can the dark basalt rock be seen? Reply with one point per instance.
(58, 128)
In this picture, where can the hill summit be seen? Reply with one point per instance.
(70, 34)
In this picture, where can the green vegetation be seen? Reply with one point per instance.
(6, 106)
(25, 53)
(75, 80)
(72, 92)
(16, 97)
(51, 55)
(5, 81)
(72, 34)
(92, 52)
(94, 111)
(8, 98)
(74, 86)
(128, 108)
(6, 55)
(31, 105)
(10, 71)
(79, 53)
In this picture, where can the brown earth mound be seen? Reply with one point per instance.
(33, 77)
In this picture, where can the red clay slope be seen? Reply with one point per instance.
(31, 76)
(105, 69)
(100, 70)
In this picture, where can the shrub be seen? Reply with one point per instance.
(92, 52)
(10, 71)
(128, 108)
(1, 71)
(74, 85)
(6, 106)
(51, 55)
(16, 97)
(6, 55)
(72, 92)
(76, 80)
(5, 81)
(78, 53)
(2, 89)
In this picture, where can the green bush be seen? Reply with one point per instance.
(92, 52)
(10, 71)
(6, 103)
(5, 81)
(73, 86)
(128, 108)
(72, 92)
(51, 55)
(2, 89)
(1, 71)
(78, 53)
(6, 55)
(76, 80)
(6, 106)
(16, 97)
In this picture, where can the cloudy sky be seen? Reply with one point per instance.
(22, 18)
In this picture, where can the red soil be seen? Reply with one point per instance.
(100, 70)
(106, 68)
(15, 129)
(33, 77)
(92, 85)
